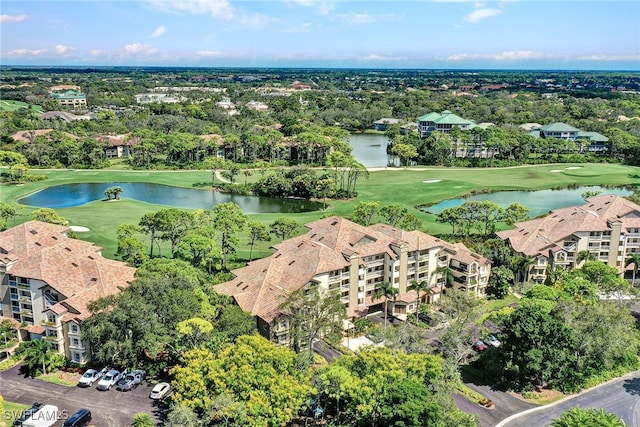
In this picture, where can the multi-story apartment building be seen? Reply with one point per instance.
(69, 96)
(608, 226)
(47, 281)
(338, 255)
(443, 122)
(593, 142)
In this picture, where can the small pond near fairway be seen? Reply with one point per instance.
(538, 202)
(70, 195)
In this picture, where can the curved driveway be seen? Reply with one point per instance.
(109, 408)
(620, 397)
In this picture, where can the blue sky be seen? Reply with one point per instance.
(452, 34)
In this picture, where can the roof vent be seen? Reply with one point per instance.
(38, 244)
(245, 287)
(33, 232)
(54, 237)
(291, 262)
(74, 264)
(68, 248)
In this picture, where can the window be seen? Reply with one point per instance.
(76, 357)
(74, 328)
(75, 342)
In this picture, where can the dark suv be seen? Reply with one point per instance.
(79, 419)
(27, 413)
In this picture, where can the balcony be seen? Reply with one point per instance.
(79, 346)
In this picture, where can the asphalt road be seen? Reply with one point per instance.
(620, 397)
(506, 404)
(109, 408)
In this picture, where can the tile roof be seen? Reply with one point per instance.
(537, 236)
(263, 285)
(74, 268)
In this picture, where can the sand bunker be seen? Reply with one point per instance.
(574, 167)
(431, 181)
(79, 229)
(556, 170)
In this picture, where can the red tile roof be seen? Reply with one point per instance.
(74, 268)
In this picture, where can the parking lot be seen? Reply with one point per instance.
(110, 408)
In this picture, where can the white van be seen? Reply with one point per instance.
(45, 417)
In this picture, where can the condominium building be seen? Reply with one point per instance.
(69, 96)
(608, 226)
(338, 255)
(443, 122)
(592, 142)
(47, 281)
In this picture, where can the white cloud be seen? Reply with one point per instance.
(502, 56)
(61, 49)
(26, 52)
(97, 52)
(480, 14)
(5, 19)
(256, 21)
(216, 8)
(376, 57)
(139, 49)
(211, 54)
(159, 31)
(324, 7)
(595, 57)
(299, 28)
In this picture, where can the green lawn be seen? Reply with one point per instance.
(403, 186)
(16, 105)
(11, 412)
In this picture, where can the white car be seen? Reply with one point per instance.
(492, 340)
(91, 376)
(160, 391)
(109, 380)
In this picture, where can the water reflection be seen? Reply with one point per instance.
(538, 202)
(69, 195)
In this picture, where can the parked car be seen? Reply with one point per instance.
(109, 380)
(479, 345)
(492, 340)
(90, 376)
(131, 381)
(79, 419)
(160, 391)
(26, 414)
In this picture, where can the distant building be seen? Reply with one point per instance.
(257, 105)
(118, 146)
(384, 122)
(65, 116)
(595, 142)
(47, 279)
(442, 122)
(162, 98)
(69, 96)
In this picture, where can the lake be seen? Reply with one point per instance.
(69, 195)
(371, 150)
(539, 202)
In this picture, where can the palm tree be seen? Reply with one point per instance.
(421, 286)
(446, 273)
(635, 260)
(385, 290)
(585, 255)
(143, 419)
(35, 355)
(117, 191)
(520, 265)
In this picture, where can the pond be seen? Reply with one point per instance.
(538, 202)
(371, 150)
(69, 195)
